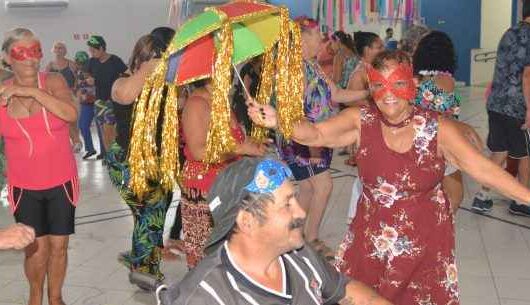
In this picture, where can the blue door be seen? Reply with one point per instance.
(296, 7)
(460, 19)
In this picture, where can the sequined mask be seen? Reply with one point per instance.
(22, 53)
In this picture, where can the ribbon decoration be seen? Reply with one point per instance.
(179, 11)
(334, 15)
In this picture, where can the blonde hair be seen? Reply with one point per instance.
(15, 35)
(58, 43)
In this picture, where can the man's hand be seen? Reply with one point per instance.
(17, 236)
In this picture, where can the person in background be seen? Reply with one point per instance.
(85, 91)
(434, 63)
(250, 74)
(509, 110)
(412, 37)
(198, 176)
(390, 42)
(257, 250)
(68, 69)
(149, 213)
(105, 68)
(345, 60)
(325, 57)
(174, 245)
(344, 63)
(368, 45)
(310, 165)
(17, 236)
(42, 182)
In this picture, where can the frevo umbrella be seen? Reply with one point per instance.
(209, 46)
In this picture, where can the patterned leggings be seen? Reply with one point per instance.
(149, 216)
(197, 224)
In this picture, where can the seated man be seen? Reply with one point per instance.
(17, 236)
(257, 253)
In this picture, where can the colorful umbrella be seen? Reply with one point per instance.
(255, 28)
(208, 46)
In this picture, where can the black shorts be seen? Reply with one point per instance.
(505, 135)
(301, 173)
(48, 212)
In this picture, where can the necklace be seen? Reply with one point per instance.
(395, 126)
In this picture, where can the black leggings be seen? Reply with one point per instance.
(177, 226)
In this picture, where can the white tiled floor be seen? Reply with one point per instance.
(493, 252)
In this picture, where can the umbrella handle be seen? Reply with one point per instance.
(242, 82)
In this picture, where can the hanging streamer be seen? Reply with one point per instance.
(341, 15)
(338, 14)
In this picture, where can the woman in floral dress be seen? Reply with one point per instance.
(402, 240)
(310, 164)
(434, 63)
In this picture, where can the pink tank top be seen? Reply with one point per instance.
(38, 151)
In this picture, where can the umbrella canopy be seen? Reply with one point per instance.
(255, 29)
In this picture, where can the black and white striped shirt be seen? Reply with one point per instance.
(217, 280)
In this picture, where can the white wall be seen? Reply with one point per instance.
(121, 22)
(496, 19)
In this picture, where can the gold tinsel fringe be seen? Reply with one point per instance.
(264, 91)
(290, 110)
(220, 140)
(138, 181)
(295, 106)
(150, 148)
(169, 161)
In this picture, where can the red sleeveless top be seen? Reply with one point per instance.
(37, 149)
(200, 175)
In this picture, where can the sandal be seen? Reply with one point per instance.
(323, 250)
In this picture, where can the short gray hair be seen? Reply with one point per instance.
(14, 35)
(255, 204)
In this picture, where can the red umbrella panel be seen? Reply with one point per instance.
(192, 63)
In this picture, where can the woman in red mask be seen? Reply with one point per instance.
(402, 240)
(35, 112)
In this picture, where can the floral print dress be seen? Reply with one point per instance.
(432, 97)
(402, 240)
(317, 108)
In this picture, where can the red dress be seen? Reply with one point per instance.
(402, 240)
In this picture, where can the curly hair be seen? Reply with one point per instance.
(435, 52)
(345, 39)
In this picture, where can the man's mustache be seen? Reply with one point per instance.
(297, 223)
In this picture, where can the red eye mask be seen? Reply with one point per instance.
(23, 53)
(400, 83)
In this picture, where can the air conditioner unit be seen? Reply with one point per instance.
(36, 3)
